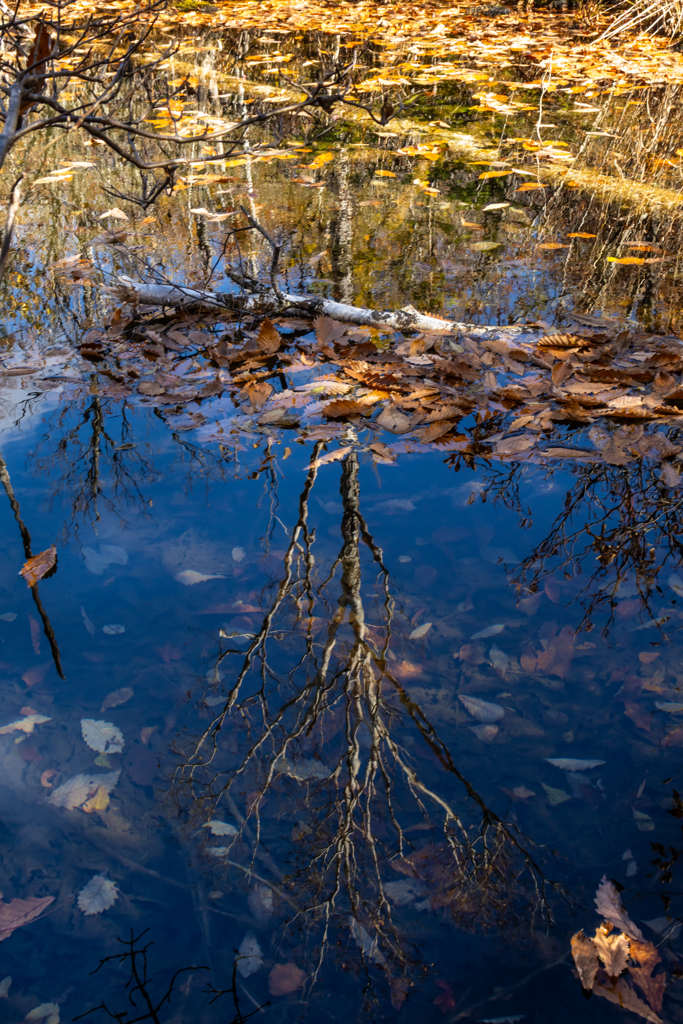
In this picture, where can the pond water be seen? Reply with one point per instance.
(340, 739)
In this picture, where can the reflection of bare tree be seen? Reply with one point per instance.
(619, 524)
(314, 719)
(26, 540)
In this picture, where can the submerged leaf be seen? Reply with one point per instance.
(75, 791)
(420, 631)
(116, 697)
(488, 631)
(26, 724)
(482, 709)
(20, 912)
(99, 894)
(188, 577)
(572, 764)
(249, 956)
(285, 978)
(555, 796)
(102, 736)
(220, 828)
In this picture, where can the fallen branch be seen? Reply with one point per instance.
(406, 319)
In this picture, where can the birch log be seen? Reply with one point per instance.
(406, 319)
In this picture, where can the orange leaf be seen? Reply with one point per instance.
(630, 260)
(551, 245)
(529, 186)
(268, 339)
(40, 567)
(580, 234)
(493, 174)
(384, 174)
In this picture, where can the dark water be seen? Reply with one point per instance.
(384, 840)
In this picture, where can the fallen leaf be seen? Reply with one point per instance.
(420, 631)
(529, 186)
(26, 724)
(285, 978)
(89, 625)
(621, 993)
(494, 206)
(116, 697)
(113, 629)
(237, 554)
(46, 776)
(484, 710)
(115, 213)
(347, 407)
(580, 234)
(609, 906)
(572, 764)
(45, 1010)
(393, 420)
(249, 956)
(334, 456)
(485, 733)
(446, 1001)
(629, 260)
(513, 445)
(384, 174)
(20, 912)
(268, 339)
(75, 791)
(555, 796)
(612, 948)
(493, 174)
(99, 894)
(40, 567)
(551, 245)
(99, 801)
(220, 828)
(4, 987)
(102, 736)
(488, 631)
(644, 957)
(188, 577)
(398, 991)
(261, 903)
(522, 793)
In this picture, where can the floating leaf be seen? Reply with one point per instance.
(485, 733)
(612, 947)
(115, 213)
(609, 906)
(113, 629)
(420, 631)
(529, 186)
(188, 577)
(384, 174)
(484, 710)
(249, 956)
(102, 736)
(628, 260)
(621, 993)
(302, 770)
(493, 174)
(18, 912)
(261, 903)
(116, 697)
(40, 567)
(393, 420)
(551, 245)
(580, 234)
(99, 894)
(268, 339)
(333, 456)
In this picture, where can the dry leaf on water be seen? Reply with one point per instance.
(621, 993)
(268, 339)
(20, 912)
(609, 906)
(75, 791)
(338, 453)
(102, 736)
(586, 959)
(116, 697)
(612, 948)
(394, 421)
(645, 958)
(513, 445)
(26, 724)
(220, 828)
(484, 710)
(420, 631)
(328, 330)
(41, 566)
(285, 978)
(99, 894)
(347, 407)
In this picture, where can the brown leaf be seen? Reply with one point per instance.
(670, 475)
(513, 445)
(116, 697)
(268, 339)
(398, 991)
(612, 948)
(436, 430)
(40, 567)
(19, 912)
(562, 341)
(258, 393)
(614, 454)
(213, 387)
(586, 959)
(285, 978)
(664, 382)
(346, 407)
(561, 372)
(328, 330)
(621, 993)
(150, 387)
(393, 420)
(383, 452)
(645, 958)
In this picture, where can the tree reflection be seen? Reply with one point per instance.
(373, 811)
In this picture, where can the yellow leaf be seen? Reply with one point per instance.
(384, 174)
(319, 161)
(532, 145)
(626, 259)
(50, 181)
(98, 802)
(493, 174)
(529, 186)
(551, 245)
(580, 234)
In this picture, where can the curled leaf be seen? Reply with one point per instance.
(41, 566)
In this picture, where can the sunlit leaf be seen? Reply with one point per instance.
(529, 186)
(98, 895)
(493, 174)
(40, 567)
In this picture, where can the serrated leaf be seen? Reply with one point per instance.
(484, 710)
(99, 894)
(75, 791)
(249, 956)
(104, 737)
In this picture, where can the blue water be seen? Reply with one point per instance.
(336, 754)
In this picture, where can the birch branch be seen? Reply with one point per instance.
(176, 295)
